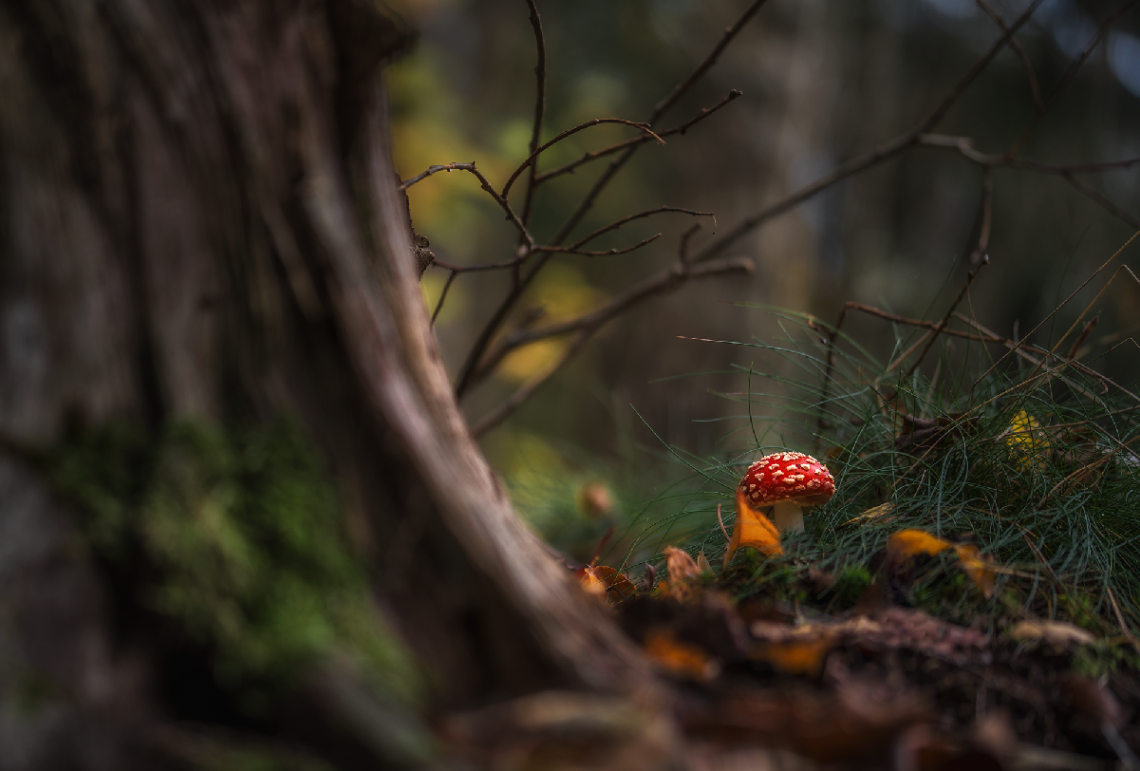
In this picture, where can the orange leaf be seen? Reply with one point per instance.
(910, 543)
(752, 529)
(602, 581)
(683, 573)
(797, 657)
(980, 569)
(680, 658)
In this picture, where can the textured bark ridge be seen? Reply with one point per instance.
(198, 221)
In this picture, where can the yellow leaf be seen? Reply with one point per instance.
(1028, 444)
(602, 581)
(797, 657)
(752, 529)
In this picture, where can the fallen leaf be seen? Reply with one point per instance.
(683, 574)
(906, 544)
(703, 563)
(1028, 444)
(1056, 632)
(797, 657)
(603, 581)
(978, 567)
(679, 658)
(875, 512)
(752, 529)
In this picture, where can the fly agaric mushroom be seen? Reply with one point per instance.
(789, 482)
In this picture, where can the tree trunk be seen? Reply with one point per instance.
(199, 222)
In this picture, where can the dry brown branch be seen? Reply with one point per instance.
(594, 155)
(1067, 78)
(667, 281)
(965, 146)
(1017, 49)
(1103, 200)
(539, 105)
(683, 249)
(435, 170)
(521, 282)
(530, 161)
(443, 295)
(987, 216)
(599, 252)
(640, 215)
(470, 167)
(941, 325)
(882, 153)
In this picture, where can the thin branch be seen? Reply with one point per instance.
(529, 162)
(946, 319)
(663, 283)
(594, 155)
(1104, 201)
(980, 251)
(640, 215)
(521, 282)
(435, 170)
(965, 146)
(539, 106)
(683, 249)
(506, 207)
(882, 153)
(1017, 49)
(443, 295)
(1067, 78)
(598, 253)
(729, 34)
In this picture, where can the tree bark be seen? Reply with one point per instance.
(200, 221)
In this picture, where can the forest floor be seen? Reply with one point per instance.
(783, 680)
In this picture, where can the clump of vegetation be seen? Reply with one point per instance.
(236, 540)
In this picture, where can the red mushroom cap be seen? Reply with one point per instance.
(788, 476)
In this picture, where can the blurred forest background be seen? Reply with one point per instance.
(822, 82)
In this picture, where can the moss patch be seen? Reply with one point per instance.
(237, 539)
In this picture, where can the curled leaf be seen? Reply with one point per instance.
(683, 574)
(752, 529)
(978, 567)
(602, 581)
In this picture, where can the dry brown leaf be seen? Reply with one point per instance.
(875, 512)
(680, 658)
(1055, 632)
(703, 563)
(603, 581)
(683, 575)
(752, 529)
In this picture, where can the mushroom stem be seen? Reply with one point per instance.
(788, 517)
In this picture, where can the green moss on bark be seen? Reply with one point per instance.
(239, 540)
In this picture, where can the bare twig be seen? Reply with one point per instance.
(730, 33)
(965, 146)
(663, 283)
(539, 106)
(683, 250)
(475, 354)
(1103, 200)
(594, 155)
(443, 295)
(640, 215)
(987, 216)
(470, 167)
(596, 253)
(529, 162)
(1067, 78)
(882, 153)
(435, 170)
(1013, 44)
(941, 325)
